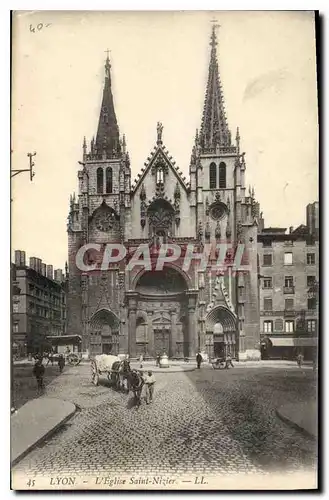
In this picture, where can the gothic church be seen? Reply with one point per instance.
(149, 311)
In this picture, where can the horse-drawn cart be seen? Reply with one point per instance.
(68, 346)
(112, 367)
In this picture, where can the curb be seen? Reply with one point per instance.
(165, 370)
(44, 437)
(293, 424)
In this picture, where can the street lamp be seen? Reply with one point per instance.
(19, 171)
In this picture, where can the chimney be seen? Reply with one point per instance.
(58, 275)
(33, 263)
(50, 272)
(19, 258)
(39, 262)
(43, 269)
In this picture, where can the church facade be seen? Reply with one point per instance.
(146, 310)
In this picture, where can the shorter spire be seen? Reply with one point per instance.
(107, 141)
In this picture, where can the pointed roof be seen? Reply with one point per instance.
(160, 153)
(107, 138)
(214, 126)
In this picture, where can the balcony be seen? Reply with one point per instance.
(288, 289)
(289, 313)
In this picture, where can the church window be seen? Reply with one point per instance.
(218, 210)
(212, 176)
(161, 219)
(109, 176)
(222, 175)
(160, 175)
(100, 180)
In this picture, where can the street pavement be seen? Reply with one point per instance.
(24, 383)
(203, 421)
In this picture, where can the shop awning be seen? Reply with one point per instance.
(293, 342)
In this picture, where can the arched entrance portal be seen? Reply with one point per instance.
(104, 333)
(158, 311)
(221, 328)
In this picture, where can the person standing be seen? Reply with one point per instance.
(228, 361)
(199, 360)
(299, 360)
(141, 359)
(149, 381)
(61, 362)
(38, 372)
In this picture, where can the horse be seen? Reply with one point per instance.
(119, 374)
(136, 383)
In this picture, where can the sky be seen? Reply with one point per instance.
(159, 71)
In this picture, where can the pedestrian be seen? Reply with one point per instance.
(61, 362)
(149, 381)
(228, 361)
(38, 372)
(299, 360)
(141, 359)
(157, 360)
(199, 360)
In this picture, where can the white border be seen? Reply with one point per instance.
(5, 157)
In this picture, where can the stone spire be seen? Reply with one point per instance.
(107, 138)
(214, 128)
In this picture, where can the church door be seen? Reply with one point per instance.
(161, 341)
(106, 348)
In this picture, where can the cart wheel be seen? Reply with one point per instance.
(94, 374)
(74, 360)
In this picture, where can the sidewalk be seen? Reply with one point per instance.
(174, 366)
(273, 363)
(44, 416)
(302, 416)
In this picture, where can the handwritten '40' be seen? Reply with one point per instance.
(39, 27)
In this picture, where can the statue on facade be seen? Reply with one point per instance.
(159, 132)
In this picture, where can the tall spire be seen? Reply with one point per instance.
(107, 138)
(214, 127)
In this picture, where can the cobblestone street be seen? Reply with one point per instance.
(208, 421)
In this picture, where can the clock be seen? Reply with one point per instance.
(105, 221)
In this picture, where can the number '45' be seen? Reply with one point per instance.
(31, 482)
